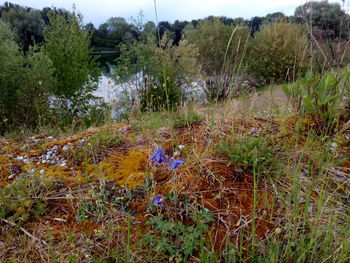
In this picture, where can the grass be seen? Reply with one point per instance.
(253, 189)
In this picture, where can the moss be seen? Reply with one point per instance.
(126, 169)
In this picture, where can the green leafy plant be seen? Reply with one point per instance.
(24, 199)
(67, 44)
(188, 119)
(248, 153)
(319, 99)
(176, 241)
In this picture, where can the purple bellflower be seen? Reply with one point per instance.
(158, 200)
(176, 163)
(158, 156)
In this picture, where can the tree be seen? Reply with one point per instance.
(27, 24)
(25, 81)
(327, 19)
(67, 44)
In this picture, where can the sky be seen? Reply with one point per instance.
(98, 11)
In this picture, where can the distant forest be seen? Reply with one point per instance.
(28, 24)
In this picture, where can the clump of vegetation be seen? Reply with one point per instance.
(25, 83)
(176, 242)
(67, 44)
(94, 147)
(320, 99)
(279, 52)
(187, 119)
(164, 68)
(252, 154)
(221, 51)
(25, 198)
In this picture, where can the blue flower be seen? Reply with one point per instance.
(176, 163)
(158, 156)
(158, 200)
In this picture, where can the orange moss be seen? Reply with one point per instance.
(127, 169)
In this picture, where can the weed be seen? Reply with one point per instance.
(188, 119)
(24, 199)
(95, 146)
(249, 152)
(176, 241)
(149, 121)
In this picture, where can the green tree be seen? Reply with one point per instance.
(328, 19)
(25, 81)
(67, 44)
(27, 24)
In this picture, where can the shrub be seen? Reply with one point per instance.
(160, 70)
(25, 81)
(278, 52)
(67, 44)
(221, 51)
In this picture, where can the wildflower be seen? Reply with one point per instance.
(176, 163)
(158, 200)
(158, 156)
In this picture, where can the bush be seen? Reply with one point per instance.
(67, 44)
(25, 81)
(160, 70)
(221, 51)
(278, 52)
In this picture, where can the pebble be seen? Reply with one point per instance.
(66, 147)
(42, 172)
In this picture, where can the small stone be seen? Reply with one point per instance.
(66, 147)
(11, 176)
(42, 172)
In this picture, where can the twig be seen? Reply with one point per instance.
(25, 232)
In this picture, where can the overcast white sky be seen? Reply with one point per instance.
(98, 11)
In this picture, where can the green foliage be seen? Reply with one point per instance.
(253, 154)
(24, 199)
(187, 119)
(278, 52)
(221, 51)
(162, 68)
(319, 99)
(67, 44)
(176, 241)
(25, 81)
(148, 121)
(328, 20)
(26, 23)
